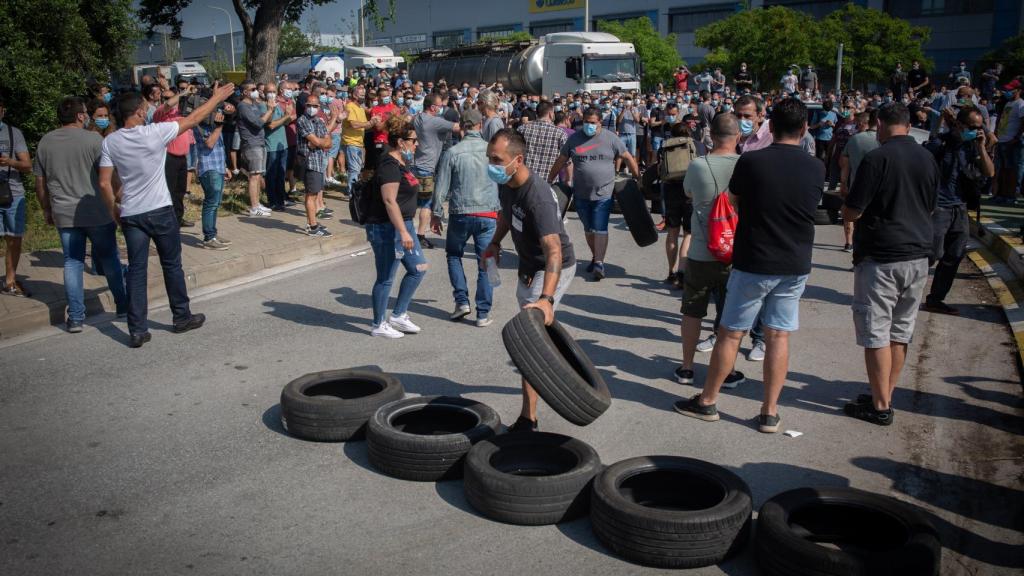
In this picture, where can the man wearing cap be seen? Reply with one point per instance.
(462, 180)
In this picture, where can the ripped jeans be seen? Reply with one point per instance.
(388, 254)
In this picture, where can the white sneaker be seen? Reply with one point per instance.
(404, 324)
(386, 331)
(484, 322)
(259, 211)
(707, 344)
(756, 353)
(460, 312)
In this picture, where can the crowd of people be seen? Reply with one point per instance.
(485, 159)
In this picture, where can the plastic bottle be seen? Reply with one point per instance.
(493, 274)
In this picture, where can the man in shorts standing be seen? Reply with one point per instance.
(14, 161)
(778, 189)
(314, 136)
(253, 116)
(892, 201)
(546, 258)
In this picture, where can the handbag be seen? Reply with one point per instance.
(6, 195)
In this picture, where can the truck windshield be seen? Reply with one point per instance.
(610, 69)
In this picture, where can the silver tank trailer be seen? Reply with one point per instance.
(518, 69)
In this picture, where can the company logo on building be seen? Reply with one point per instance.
(553, 5)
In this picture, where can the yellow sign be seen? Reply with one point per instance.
(555, 5)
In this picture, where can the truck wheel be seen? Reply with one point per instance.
(634, 211)
(531, 478)
(335, 405)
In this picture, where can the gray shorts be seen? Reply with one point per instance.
(527, 294)
(885, 301)
(313, 181)
(255, 159)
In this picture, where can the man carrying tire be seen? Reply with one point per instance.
(594, 152)
(547, 261)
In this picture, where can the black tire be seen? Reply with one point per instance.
(868, 534)
(821, 217)
(651, 183)
(426, 438)
(634, 211)
(555, 365)
(670, 512)
(334, 405)
(532, 479)
(563, 194)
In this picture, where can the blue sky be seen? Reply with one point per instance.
(198, 20)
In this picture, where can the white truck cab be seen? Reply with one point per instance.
(589, 61)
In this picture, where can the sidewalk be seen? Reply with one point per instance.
(257, 244)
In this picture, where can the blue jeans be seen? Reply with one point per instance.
(774, 298)
(594, 214)
(629, 141)
(388, 254)
(212, 182)
(277, 166)
(161, 226)
(460, 228)
(354, 156)
(656, 142)
(104, 247)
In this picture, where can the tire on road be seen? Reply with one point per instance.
(670, 512)
(863, 534)
(563, 193)
(555, 365)
(531, 478)
(635, 213)
(334, 405)
(426, 438)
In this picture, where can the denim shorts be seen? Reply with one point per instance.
(777, 298)
(335, 145)
(12, 218)
(594, 214)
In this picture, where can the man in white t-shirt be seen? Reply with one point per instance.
(137, 152)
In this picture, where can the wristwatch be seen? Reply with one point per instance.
(550, 299)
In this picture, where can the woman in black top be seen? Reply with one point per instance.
(390, 231)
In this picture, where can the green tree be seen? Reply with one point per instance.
(873, 42)
(293, 42)
(45, 57)
(769, 40)
(262, 29)
(1010, 53)
(519, 36)
(657, 52)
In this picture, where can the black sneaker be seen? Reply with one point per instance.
(864, 399)
(868, 413)
(848, 248)
(194, 322)
(768, 423)
(424, 242)
(523, 424)
(590, 267)
(670, 279)
(684, 376)
(695, 409)
(598, 271)
(137, 340)
(734, 379)
(939, 308)
(74, 326)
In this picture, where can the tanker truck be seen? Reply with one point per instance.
(561, 62)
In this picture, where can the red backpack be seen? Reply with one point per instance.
(721, 225)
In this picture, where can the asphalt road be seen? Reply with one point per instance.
(171, 459)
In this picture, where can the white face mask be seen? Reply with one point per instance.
(254, 95)
(271, 96)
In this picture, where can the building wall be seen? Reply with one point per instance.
(152, 50)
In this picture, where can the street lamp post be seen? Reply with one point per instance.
(231, 34)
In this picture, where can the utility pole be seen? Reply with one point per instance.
(586, 15)
(839, 70)
(231, 34)
(362, 24)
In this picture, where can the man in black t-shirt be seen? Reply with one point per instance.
(778, 189)
(892, 201)
(547, 262)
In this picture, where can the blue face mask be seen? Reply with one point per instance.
(1008, 94)
(108, 97)
(102, 123)
(386, 100)
(746, 126)
(401, 101)
(325, 99)
(670, 118)
(590, 129)
(558, 108)
(343, 95)
(968, 135)
(408, 156)
(498, 174)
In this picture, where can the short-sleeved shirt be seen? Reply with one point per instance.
(491, 127)
(353, 136)
(209, 159)
(531, 212)
(1009, 120)
(593, 159)
(956, 159)
(390, 171)
(778, 188)
(316, 158)
(859, 145)
(896, 193)
(250, 125)
(138, 154)
(824, 133)
(808, 80)
(789, 83)
(630, 121)
(337, 106)
(433, 132)
(544, 142)
(706, 177)
(180, 145)
(19, 147)
(380, 135)
(68, 158)
(682, 80)
(276, 139)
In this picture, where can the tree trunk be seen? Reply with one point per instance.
(263, 44)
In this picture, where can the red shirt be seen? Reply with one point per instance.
(682, 81)
(380, 135)
(289, 128)
(180, 145)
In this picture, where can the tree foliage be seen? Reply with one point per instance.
(771, 40)
(294, 42)
(518, 36)
(262, 28)
(1010, 53)
(657, 52)
(53, 48)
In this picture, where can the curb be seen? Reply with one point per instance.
(1004, 244)
(49, 314)
(1009, 290)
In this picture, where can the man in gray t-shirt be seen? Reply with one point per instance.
(67, 185)
(14, 159)
(864, 141)
(432, 131)
(595, 153)
(253, 116)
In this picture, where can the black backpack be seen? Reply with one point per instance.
(363, 192)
